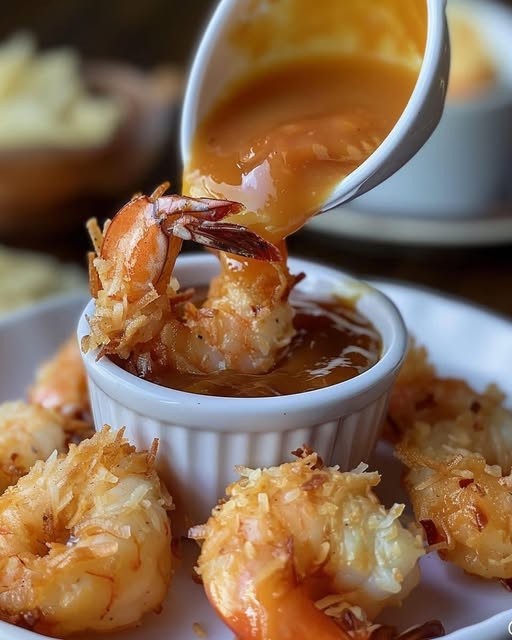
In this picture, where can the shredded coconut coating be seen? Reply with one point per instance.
(61, 384)
(85, 540)
(306, 525)
(143, 318)
(457, 446)
(27, 433)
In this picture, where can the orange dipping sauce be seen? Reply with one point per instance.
(282, 139)
(333, 343)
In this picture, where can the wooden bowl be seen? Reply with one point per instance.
(40, 187)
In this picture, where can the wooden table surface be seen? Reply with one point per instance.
(157, 32)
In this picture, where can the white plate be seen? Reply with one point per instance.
(462, 339)
(349, 222)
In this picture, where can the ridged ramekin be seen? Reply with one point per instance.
(202, 438)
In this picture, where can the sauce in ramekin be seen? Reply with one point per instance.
(333, 343)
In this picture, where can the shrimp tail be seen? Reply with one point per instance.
(223, 236)
(199, 220)
(205, 208)
(347, 626)
(295, 626)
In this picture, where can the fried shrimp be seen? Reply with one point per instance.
(61, 384)
(141, 315)
(85, 540)
(456, 444)
(293, 547)
(27, 433)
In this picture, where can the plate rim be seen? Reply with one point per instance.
(392, 229)
(47, 304)
(461, 300)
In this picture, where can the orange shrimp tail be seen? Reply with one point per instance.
(227, 237)
(297, 618)
(277, 609)
(135, 238)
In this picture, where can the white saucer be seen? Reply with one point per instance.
(462, 339)
(349, 222)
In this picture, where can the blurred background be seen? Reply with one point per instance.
(143, 33)
(150, 45)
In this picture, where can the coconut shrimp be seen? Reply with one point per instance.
(85, 540)
(142, 316)
(457, 447)
(296, 549)
(27, 433)
(61, 384)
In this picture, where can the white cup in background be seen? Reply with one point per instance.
(465, 169)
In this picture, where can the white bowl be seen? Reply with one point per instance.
(465, 169)
(457, 599)
(219, 62)
(202, 438)
(61, 178)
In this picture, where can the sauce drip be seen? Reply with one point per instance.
(281, 140)
(327, 82)
(333, 343)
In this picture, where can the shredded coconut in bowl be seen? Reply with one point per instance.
(27, 277)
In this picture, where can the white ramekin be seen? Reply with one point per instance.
(202, 438)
